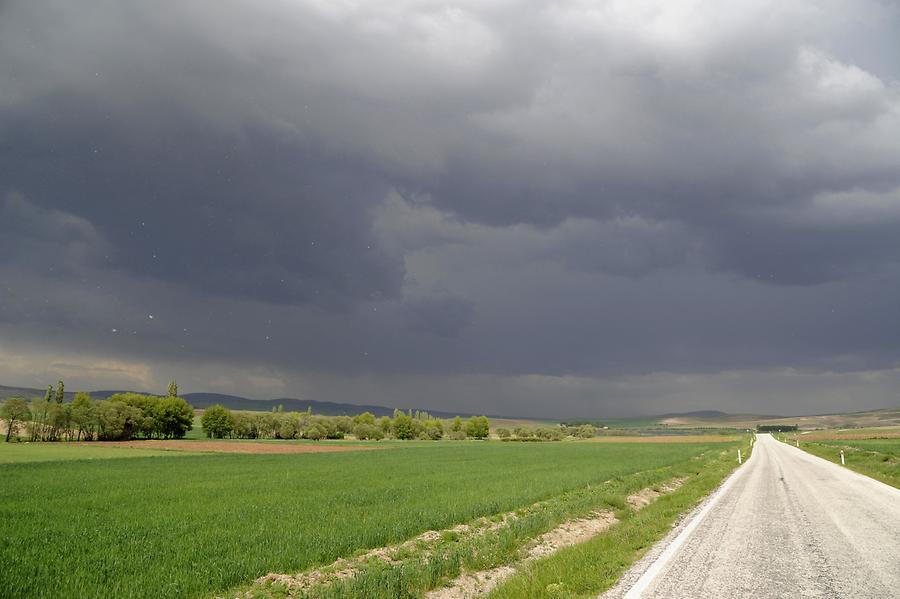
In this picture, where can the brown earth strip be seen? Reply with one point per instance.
(647, 496)
(230, 446)
(476, 584)
(468, 585)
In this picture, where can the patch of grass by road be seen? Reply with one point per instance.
(196, 525)
(877, 458)
(585, 570)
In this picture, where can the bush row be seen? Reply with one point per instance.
(584, 431)
(219, 422)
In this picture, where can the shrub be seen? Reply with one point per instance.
(586, 431)
(477, 427)
(245, 426)
(457, 435)
(364, 418)
(549, 434)
(174, 417)
(434, 429)
(217, 422)
(316, 432)
(367, 431)
(503, 433)
(403, 426)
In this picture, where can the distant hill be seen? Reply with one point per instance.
(694, 419)
(868, 418)
(327, 408)
(696, 414)
(235, 402)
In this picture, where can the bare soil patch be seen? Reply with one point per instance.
(230, 446)
(645, 497)
(476, 584)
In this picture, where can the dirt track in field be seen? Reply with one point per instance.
(231, 446)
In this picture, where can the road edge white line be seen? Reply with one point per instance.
(657, 566)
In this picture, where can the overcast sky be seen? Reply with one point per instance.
(549, 208)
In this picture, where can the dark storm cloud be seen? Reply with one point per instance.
(465, 190)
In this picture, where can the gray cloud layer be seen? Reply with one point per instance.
(423, 197)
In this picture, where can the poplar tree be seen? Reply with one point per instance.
(60, 392)
(173, 389)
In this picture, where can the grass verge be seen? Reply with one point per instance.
(592, 567)
(876, 458)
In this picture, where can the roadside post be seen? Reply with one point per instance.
(842, 457)
(739, 456)
(797, 442)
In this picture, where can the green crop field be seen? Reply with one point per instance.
(888, 447)
(193, 525)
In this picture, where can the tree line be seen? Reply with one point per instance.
(220, 423)
(127, 416)
(775, 428)
(120, 417)
(547, 433)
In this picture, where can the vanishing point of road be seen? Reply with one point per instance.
(785, 525)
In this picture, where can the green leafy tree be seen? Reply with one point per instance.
(434, 429)
(364, 431)
(364, 418)
(116, 420)
(172, 391)
(147, 425)
(403, 426)
(503, 433)
(38, 416)
(60, 392)
(15, 412)
(316, 432)
(457, 425)
(477, 427)
(59, 419)
(290, 425)
(83, 416)
(217, 421)
(174, 417)
(245, 426)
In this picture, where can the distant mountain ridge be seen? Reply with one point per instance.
(327, 408)
(716, 415)
(700, 418)
(236, 402)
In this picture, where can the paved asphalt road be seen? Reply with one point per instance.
(786, 525)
